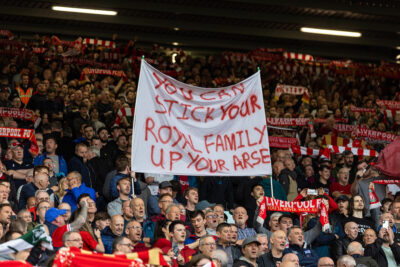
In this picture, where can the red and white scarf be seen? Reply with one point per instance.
(123, 112)
(311, 206)
(105, 43)
(354, 150)
(374, 135)
(301, 150)
(362, 110)
(289, 89)
(282, 142)
(388, 104)
(288, 121)
(117, 73)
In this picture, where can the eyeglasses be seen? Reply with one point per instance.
(128, 245)
(210, 244)
(75, 240)
(212, 216)
(46, 208)
(136, 227)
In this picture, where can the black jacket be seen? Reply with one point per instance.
(240, 262)
(216, 189)
(376, 252)
(266, 260)
(367, 261)
(243, 193)
(339, 248)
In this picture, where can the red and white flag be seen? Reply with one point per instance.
(354, 150)
(298, 56)
(290, 89)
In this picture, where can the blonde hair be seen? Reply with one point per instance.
(61, 192)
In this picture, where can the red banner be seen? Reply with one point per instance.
(388, 104)
(282, 142)
(343, 128)
(75, 257)
(118, 73)
(288, 121)
(18, 113)
(375, 135)
(20, 133)
(362, 110)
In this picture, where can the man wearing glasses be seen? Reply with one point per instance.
(133, 231)
(72, 239)
(122, 245)
(207, 245)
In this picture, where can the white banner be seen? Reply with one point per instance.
(187, 130)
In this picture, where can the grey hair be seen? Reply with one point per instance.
(201, 240)
(221, 256)
(354, 248)
(95, 150)
(261, 235)
(66, 235)
(275, 214)
(346, 259)
(294, 227)
(40, 191)
(170, 206)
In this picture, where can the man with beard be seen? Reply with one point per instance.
(250, 248)
(240, 217)
(274, 256)
(103, 135)
(177, 232)
(124, 189)
(307, 257)
(357, 213)
(133, 231)
(384, 250)
(342, 186)
(339, 248)
(363, 186)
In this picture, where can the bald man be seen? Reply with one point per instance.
(339, 248)
(291, 257)
(356, 250)
(274, 256)
(325, 262)
(109, 233)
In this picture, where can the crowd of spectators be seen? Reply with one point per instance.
(81, 187)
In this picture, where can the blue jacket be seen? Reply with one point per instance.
(72, 195)
(61, 163)
(107, 237)
(148, 229)
(307, 257)
(113, 186)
